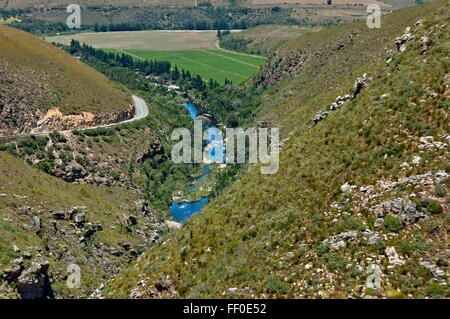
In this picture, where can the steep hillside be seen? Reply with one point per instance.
(360, 205)
(47, 224)
(37, 79)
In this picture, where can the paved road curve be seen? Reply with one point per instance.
(141, 111)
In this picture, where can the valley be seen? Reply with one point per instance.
(94, 205)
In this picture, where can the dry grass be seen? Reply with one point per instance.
(66, 82)
(145, 40)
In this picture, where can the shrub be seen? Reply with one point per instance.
(435, 290)
(439, 190)
(274, 286)
(249, 234)
(392, 223)
(335, 262)
(57, 138)
(417, 245)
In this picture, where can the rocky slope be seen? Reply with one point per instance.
(47, 225)
(44, 89)
(360, 205)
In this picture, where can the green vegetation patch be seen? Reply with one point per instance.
(215, 64)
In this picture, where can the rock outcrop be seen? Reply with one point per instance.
(33, 282)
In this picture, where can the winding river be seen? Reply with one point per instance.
(184, 210)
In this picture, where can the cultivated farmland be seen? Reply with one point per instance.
(194, 51)
(216, 64)
(145, 40)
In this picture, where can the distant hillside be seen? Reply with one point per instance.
(36, 77)
(360, 205)
(15, 4)
(263, 39)
(20, 4)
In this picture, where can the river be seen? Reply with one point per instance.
(184, 210)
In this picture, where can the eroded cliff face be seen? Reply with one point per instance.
(55, 120)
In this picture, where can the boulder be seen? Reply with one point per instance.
(164, 284)
(12, 272)
(403, 208)
(393, 257)
(172, 225)
(37, 224)
(33, 282)
(424, 44)
(319, 116)
(80, 219)
(59, 215)
(373, 280)
(75, 210)
(371, 237)
(435, 270)
(416, 160)
(340, 241)
(347, 188)
(132, 220)
(400, 41)
(361, 83)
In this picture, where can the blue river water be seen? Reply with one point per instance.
(183, 211)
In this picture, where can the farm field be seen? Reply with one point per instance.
(194, 51)
(216, 64)
(144, 40)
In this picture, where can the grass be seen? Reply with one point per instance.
(261, 220)
(215, 64)
(54, 78)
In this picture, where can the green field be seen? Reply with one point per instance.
(216, 64)
(193, 51)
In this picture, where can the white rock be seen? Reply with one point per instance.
(416, 160)
(373, 280)
(172, 225)
(347, 188)
(404, 165)
(393, 257)
(231, 290)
